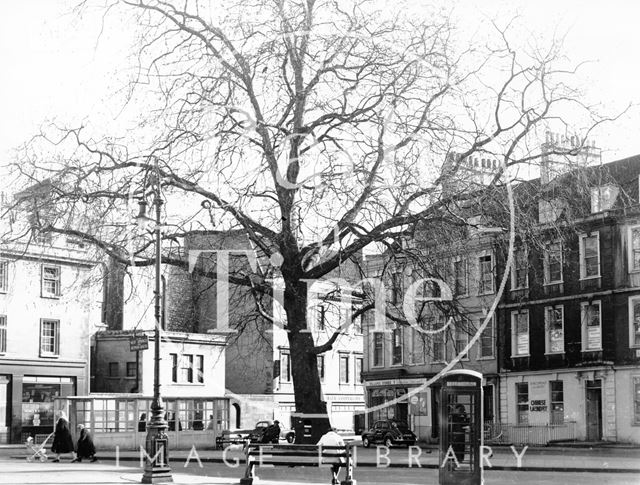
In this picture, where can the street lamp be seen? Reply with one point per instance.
(156, 466)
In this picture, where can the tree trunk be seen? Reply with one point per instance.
(304, 368)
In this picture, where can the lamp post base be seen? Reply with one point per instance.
(157, 475)
(156, 465)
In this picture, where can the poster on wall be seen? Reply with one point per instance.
(418, 403)
(538, 398)
(593, 337)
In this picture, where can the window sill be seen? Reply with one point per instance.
(487, 293)
(396, 365)
(51, 297)
(555, 353)
(591, 350)
(587, 278)
(490, 357)
(552, 283)
(521, 356)
(49, 356)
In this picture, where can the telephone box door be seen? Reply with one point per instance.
(460, 428)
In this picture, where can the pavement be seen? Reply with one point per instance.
(597, 459)
(123, 467)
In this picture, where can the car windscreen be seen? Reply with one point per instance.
(400, 426)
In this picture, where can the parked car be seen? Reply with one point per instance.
(258, 433)
(389, 432)
(255, 435)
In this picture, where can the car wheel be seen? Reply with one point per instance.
(291, 438)
(365, 442)
(388, 442)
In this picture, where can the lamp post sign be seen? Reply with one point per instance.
(138, 342)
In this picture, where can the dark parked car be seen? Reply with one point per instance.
(266, 432)
(389, 432)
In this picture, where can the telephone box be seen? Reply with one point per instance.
(460, 428)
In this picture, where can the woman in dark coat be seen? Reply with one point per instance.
(62, 440)
(85, 447)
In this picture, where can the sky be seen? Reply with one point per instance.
(56, 65)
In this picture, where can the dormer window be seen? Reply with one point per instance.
(603, 198)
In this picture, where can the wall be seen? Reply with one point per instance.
(627, 430)
(114, 347)
(574, 387)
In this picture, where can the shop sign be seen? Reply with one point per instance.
(538, 405)
(138, 342)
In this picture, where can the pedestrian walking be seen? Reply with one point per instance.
(85, 448)
(62, 440)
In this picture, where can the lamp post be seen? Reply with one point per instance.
(156, 466)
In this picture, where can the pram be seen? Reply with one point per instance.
(38, 450)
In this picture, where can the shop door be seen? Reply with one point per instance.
(594, 411)
(5, 409)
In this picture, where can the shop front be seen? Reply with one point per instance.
(38, 397)
(28, 391)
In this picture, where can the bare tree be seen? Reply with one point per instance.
(318, 128)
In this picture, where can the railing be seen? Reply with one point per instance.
(528, 434)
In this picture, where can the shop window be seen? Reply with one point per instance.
(396, 347)
(132, 369)
(114, 369)
(344, 369)
(634, 322)
(552, 263)
(520, 273)
(590, 256)
(320, 362)
(38, 395)
(485, 280)
(487, 340)
(554, 329)
(557, 402)
(200, 368)
(522, 402)
(4, 276)
(591, 326)
(174, 367)
(49, 338)
(285, 368)
(460, 277)
(520, 333)
(358, 377)
(50, 287)
(3, 334)
(378, 349)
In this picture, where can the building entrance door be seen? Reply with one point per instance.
(5, 409)
(594, 410)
